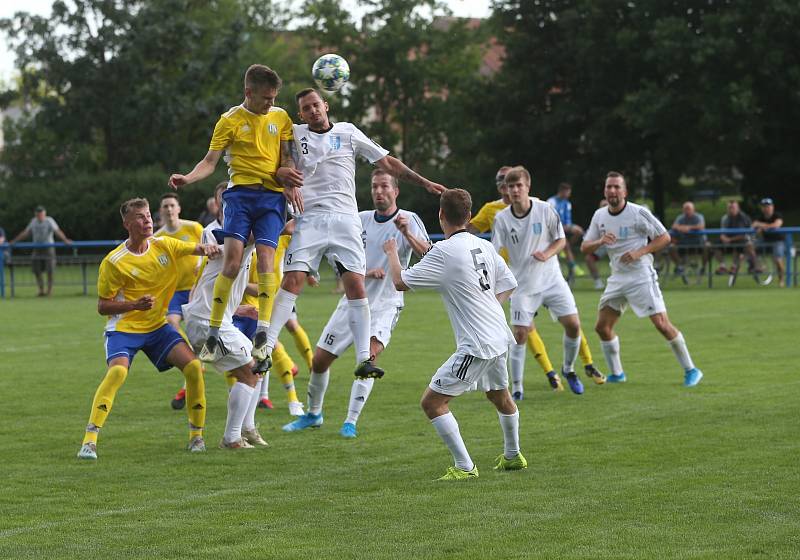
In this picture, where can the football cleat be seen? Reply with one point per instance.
(692, 377)
(179, 400)
(265, 403)
(598, 284)
(517, 395)
(454, 473)
(197, 445)
(260, 346)
(307, 420)
(348, 430)
(209, 353)
(240, 443)
(555, 381)
(262, 366)
(296, 408)
(295, 371)
(516, 463)
(254, 438)
(594, 374)
(574, 383)
(616, 377)
(88, 451)
(368, 369)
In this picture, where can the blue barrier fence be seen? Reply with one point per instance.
(85, 261)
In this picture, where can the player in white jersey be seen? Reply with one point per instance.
(385, 303)
(329, 225)
(473, 280)
(531, 231)
(631, 234)
(234, 347)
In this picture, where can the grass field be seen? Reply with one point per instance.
(643, 470)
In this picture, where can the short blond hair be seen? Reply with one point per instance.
(132, 203)
(517, 173)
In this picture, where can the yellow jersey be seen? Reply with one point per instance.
(484, 220)
(280, 250)
(188, 269)
(252, 144)
(127, 276)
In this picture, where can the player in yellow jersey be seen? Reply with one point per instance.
(255, 138)
(134, 285)
(482, 223)
(185, 230)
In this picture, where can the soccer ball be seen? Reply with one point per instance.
(331, 72)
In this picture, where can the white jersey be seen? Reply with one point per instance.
(524, 235)
(203, 292)
(468, 272)
(634, 227)
(328, 163)
(381, 291)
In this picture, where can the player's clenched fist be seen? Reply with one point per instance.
(390, 246)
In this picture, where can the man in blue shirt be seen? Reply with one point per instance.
(563, 207)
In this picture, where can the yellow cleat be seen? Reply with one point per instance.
(454, 473)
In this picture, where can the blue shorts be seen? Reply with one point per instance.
(258, 211)
(246, 325)
(156, 345)
(180, 297)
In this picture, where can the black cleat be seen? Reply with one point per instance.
(262, 366)
(367, 369)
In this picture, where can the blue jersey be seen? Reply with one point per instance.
(563, 207)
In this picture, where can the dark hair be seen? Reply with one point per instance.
(517, 173)
(564, 187)
(378, 171)
(259, 76)
(307, 91)
(132, 203)
(170, 195)
(456, 205)
(615, 174)
(219, 187)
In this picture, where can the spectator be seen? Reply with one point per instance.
(43, 260)
(2, 236)
(574, 232)
(210, 213)
(771, 241)
(735, 243)
(684, 242)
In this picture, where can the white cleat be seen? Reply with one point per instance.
(254, 438)
(238, 444)
(209, 353)
(259, 352)
(296, 408)
(88, 451)
(197, 445)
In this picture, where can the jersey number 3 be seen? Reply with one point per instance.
(483, 273)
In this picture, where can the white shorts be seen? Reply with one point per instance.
(337, 337)
(642, 294)
(558, 299)
(337, 236)
(462, 373)
(235, 346)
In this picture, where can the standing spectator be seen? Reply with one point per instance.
(2, 236)
(735, 243)
(684, 242)
(210, 213)
(772, 241)
(42, 227)
(560, 201)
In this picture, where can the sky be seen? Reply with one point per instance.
(462, 8)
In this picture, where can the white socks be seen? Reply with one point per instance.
(510, 425)
(359, 394)
(447, 428)
(238, 403)
(611, 353)
(358, 315)
(571, 346)
(317, 385)
(281, 311)
(249, 422)
(517, 359)
(678, 345)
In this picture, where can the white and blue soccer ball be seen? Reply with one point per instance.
(330, 72)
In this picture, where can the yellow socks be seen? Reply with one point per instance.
(584, 352)
(195, 397)
(302, 344)
(230, 380)
(536, 346)
(282, 364)
(288, 383)
(222, 289)
(267, 287)
(104, 400)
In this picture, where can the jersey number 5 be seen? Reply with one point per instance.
(483, 279)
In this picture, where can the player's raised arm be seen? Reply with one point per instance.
(390, 248)
(203, 169)
(397, 168)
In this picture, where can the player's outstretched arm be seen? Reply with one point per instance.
(397, 168)
(203, 169)
(390, 248)
(210, 250)
(107, 306)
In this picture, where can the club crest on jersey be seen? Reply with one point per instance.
(336, 142)
(623, 232)
(537, 228)
(273, 129)
(163, 260)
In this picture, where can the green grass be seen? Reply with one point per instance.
(643, 470)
